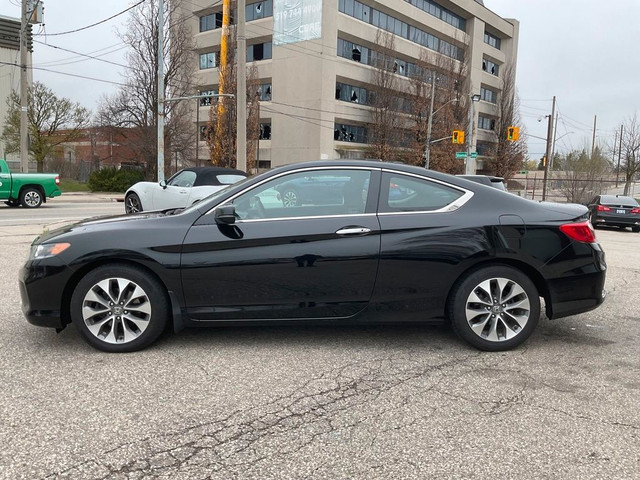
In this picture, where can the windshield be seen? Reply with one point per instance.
(230, 179)
(216, 195)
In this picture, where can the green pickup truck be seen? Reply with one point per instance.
(27, 189)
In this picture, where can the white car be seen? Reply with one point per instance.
(185, 188)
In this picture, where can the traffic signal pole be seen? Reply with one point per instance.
(548, 151)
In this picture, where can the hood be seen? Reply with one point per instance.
(95, 223)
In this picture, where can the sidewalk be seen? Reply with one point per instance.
(90, 197)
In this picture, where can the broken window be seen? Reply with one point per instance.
(354, 96)
(356, 54)
(265, 131)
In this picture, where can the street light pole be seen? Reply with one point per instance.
(160, 91)
(427, 147)
(467, 164)
(548, 152)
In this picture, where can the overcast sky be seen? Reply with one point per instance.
(583, 51)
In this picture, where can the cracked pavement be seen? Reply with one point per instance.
(356, 402)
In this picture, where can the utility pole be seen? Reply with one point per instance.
(198, 130)
(160, 91)
(553, 144)
(222, 83)
(427, 147)
(241, 94)
(24, 90)
(619, 154)
(593, 142)
(548, 151)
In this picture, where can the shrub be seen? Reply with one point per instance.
(113, 180)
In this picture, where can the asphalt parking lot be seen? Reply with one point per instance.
(369, 402)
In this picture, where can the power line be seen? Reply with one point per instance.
(65, 73)
(97, 23)
(87, 56)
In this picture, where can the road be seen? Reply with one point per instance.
(370, 402)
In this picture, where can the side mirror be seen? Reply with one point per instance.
(225, 215)
(163, 184)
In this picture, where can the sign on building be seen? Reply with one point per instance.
(296, 21)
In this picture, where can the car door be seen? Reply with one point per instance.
(277, 262)
(176, 192)
(422, 244)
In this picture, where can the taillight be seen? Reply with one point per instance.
(581, 232)
(602, 208)
(635, 210)
(57, 179)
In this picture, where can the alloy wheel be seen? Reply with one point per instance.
(32, 198)
(132, 204)
(290, 198)
(116, 310)
(497, 309)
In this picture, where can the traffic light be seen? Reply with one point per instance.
(458, 136)
(544, 161)
(513, 133)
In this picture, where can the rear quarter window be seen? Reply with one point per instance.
(402, 193)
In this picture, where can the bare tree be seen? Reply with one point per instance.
(449, 108)
(630, 150)
(52, 121)
(387, 126)
(508, 156)
(581, 174)
(133, 109)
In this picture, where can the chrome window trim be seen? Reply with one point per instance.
(468, 194)
(308, 169)
(451, 207)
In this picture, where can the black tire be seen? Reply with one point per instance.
(290, 198)
(12, 203)
(117, 314)
(132, 203)
(508, 332)
(635, 229)
(31, 197)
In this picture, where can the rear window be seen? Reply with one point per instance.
(402, 193)
(229, 179)
(612, 200)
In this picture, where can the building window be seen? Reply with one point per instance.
(355, 9)
(213, 21)
(485, 149)
(265, 130)
(492, 40)
(349, 133)
(264, 92)
(255, 11)
(207, 101)
(350, 93)
(488, 95)
(259, 51)
(490, 67)
(486, 123)
(432, 8)
(208, 60)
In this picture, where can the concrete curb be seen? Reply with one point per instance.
(88, 197)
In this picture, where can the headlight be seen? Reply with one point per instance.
(47, 250)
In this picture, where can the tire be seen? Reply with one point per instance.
(496, 322)
(31, 197)
(635, 229)
(109, 317)
(132, 203)
(290, 198)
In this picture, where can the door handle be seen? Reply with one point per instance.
(4, 175)
(353, 231)
(183, 192)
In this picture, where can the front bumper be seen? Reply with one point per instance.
(42, 288)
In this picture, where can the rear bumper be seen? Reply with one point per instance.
(629, 220)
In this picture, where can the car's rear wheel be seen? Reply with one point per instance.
(494, 308)
(30, 198)
(132, 203)
(290, 198)
(635, 229)
(119, 308)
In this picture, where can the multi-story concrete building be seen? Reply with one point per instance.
(313, 59)
(10, 73)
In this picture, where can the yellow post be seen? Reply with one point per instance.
(222, 84)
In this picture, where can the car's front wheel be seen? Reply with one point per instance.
(495, 308)
(132, 203)
(119, 308)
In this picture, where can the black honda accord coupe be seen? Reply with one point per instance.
(395, 243)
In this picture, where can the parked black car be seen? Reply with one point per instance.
(446, 248)
(616, 211)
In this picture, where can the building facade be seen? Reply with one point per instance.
(10, 73)
(314, 68)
